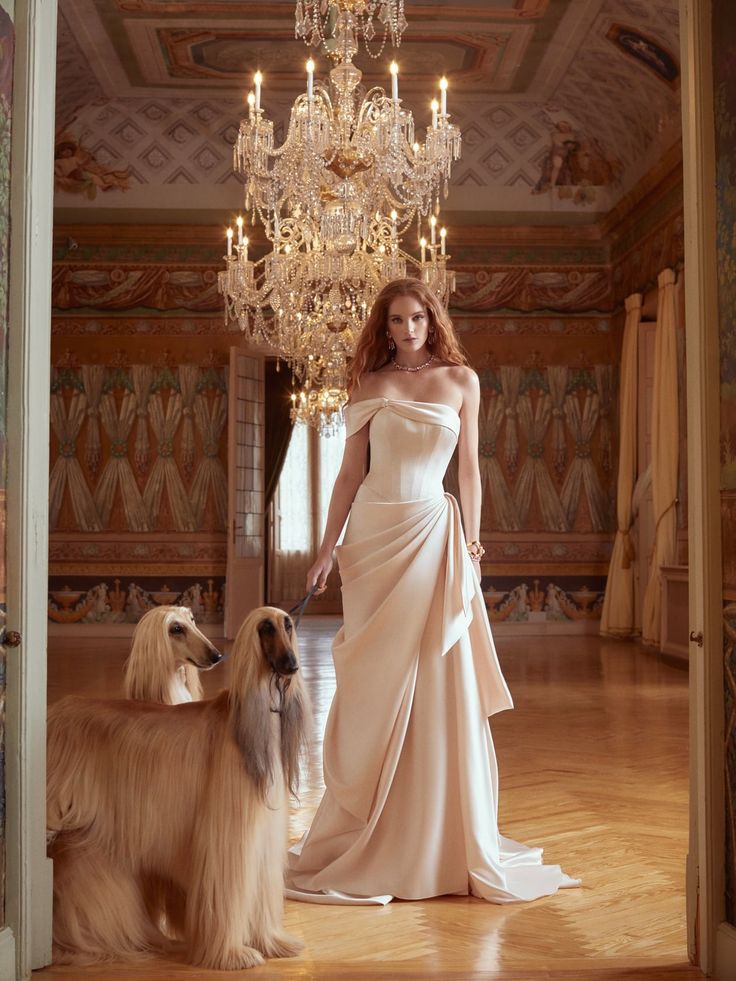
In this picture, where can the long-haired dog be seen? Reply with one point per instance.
(167, 653)
(188, 802)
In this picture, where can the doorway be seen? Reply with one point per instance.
(28, 900)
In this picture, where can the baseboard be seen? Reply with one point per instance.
(725, 953)
(7, 955)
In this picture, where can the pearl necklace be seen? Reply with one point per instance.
(419, 367)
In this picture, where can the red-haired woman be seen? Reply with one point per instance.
(412, 788)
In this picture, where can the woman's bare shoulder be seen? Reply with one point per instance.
(464, 376)
(368, 387)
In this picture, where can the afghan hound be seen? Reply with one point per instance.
(168, 652)
(191, 798)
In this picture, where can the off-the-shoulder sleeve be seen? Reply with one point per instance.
(358, 414)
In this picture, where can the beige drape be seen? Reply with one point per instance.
(665, 447)
(618, 618)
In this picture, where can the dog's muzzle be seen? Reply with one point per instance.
(286, 665)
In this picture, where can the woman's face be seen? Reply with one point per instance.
(408, 323)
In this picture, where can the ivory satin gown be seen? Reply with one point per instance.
(410, 807)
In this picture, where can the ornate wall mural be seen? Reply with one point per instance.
(576, 164)
(646, 52)
(138, 488)
(78, 171)
(547, 445)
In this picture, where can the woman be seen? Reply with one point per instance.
(411, 800)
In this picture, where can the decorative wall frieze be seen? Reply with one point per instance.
(523, 553)
(143, 554)
(123, 287)
(519, 287)
(100, 326)
(539, 598)
(124, 600)
(503, 325)
(118, 286)
(121, 352)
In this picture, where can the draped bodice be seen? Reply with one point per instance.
(411, 444)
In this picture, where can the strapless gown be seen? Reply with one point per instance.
(410, 806)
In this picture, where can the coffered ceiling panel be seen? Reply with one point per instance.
(563, 104)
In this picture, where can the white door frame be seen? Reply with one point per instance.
(29, 872)
(708, 936)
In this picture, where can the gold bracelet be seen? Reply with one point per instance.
(475, 550)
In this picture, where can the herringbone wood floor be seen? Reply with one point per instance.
(593, 767)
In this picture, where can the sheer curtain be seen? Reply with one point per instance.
(300, 505)
(618, 618)
(665, 448)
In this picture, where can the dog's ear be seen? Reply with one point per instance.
(254, 733)
(251, 719)
(294, 724)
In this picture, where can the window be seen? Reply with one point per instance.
(300, 509)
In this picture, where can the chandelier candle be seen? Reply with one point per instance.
(310, 79)
(443, 96)
(258, 78)
(435, 108)
(394, 69)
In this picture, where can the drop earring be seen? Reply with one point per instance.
(430, 337)
(391, 344)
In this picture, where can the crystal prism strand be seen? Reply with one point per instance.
(299, 17)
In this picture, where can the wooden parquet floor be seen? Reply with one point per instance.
(593, 767)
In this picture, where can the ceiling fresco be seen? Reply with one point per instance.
(563, 104)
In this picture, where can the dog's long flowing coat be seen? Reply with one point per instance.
(181, 804)
(167, 653)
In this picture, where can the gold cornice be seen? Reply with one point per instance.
(658, 181)
(211, 235)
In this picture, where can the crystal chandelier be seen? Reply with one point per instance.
(335, 200)
(315, 21)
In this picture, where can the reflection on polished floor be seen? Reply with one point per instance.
(593, 767)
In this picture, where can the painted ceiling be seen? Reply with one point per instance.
(563, 104)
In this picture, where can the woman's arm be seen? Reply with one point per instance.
(468, 470)
(349, 479)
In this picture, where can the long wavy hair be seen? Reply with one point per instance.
(372, 351)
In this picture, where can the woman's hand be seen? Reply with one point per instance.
(318, 573)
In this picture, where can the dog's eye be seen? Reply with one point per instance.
(176, 628)
(287, 625)
(266, 628)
